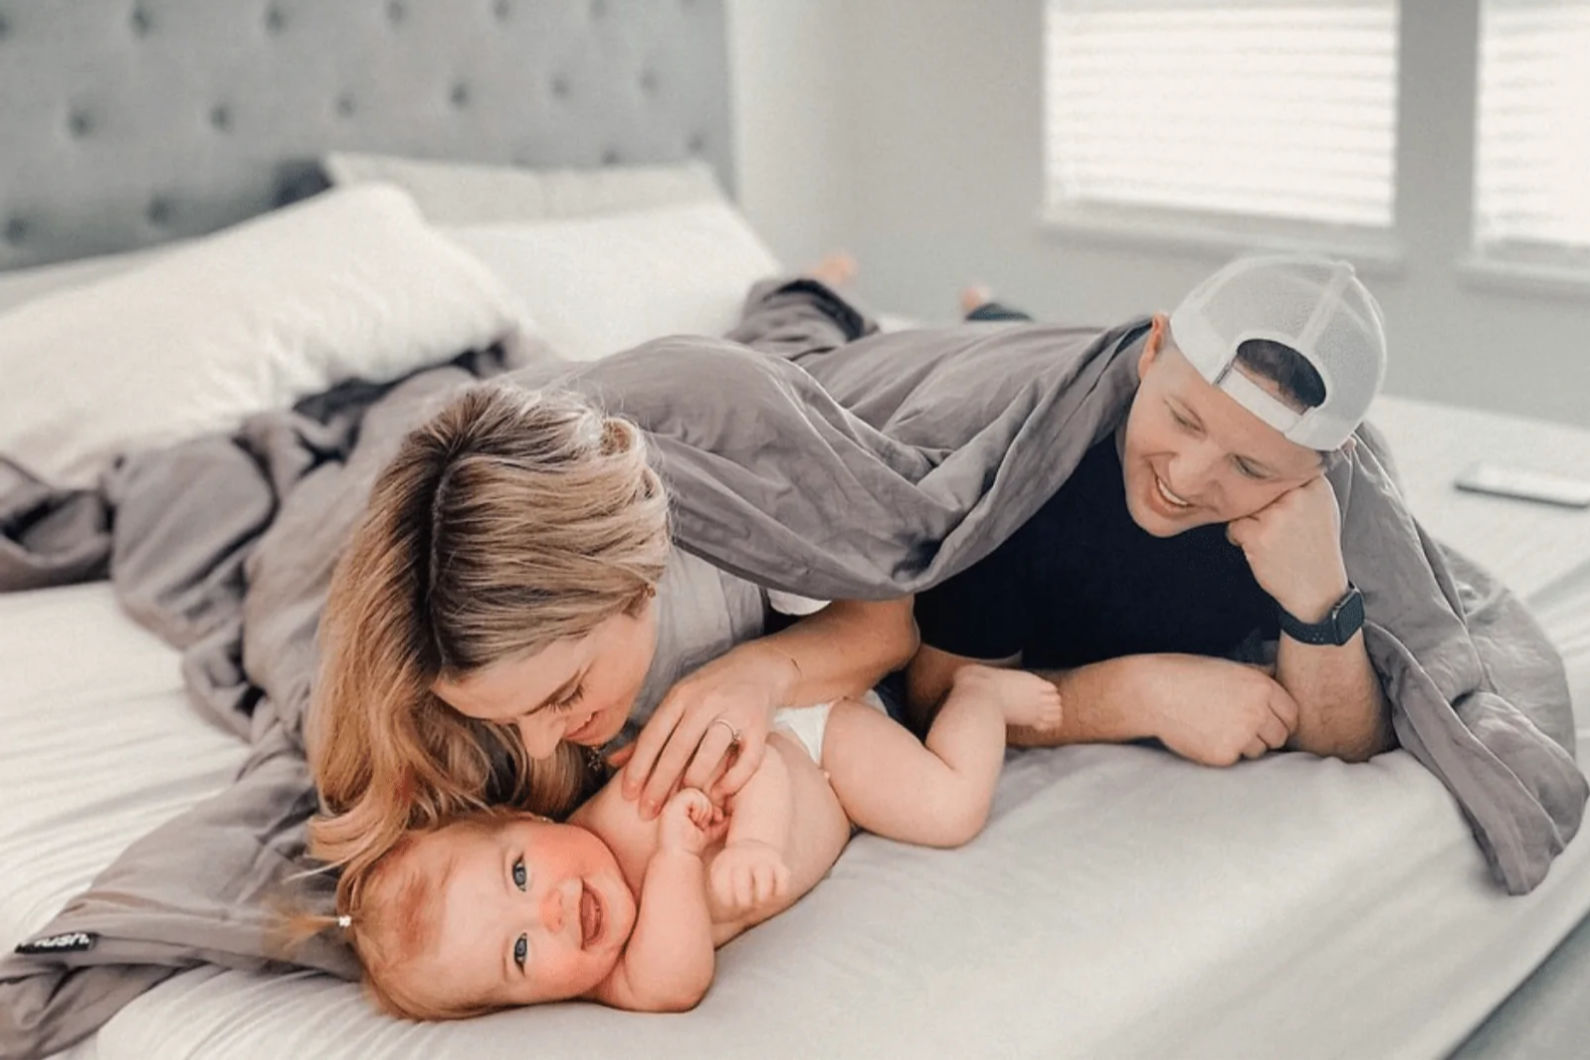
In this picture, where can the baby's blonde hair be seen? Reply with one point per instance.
(510, 520)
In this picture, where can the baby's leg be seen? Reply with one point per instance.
(937, 794)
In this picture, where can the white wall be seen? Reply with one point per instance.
(910, 132)
(790, 153)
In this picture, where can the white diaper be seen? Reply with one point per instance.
(807, 724)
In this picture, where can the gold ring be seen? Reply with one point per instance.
(734, 734)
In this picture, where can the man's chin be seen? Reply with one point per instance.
(1151, 522)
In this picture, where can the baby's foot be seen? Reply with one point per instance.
(836, 270)
(974, 297)
(1024, 698)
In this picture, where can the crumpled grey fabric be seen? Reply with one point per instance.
(804, 452)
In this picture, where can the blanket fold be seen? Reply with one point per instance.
(805, 452)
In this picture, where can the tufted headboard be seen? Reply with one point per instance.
(125, 123)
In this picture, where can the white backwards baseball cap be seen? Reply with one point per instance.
(1314, 305)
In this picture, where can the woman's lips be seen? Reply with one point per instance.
(575, 735)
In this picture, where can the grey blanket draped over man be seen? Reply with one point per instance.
(804, 453)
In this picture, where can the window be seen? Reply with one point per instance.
(1532, 168)
(1277, 109)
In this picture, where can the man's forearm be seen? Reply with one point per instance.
(1098, 707)
(1342, 709)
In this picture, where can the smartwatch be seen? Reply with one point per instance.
(1346, 618)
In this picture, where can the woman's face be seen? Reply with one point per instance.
(580, 689)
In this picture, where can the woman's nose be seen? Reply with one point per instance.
(540, 736)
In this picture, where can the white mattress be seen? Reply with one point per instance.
(1121, 902)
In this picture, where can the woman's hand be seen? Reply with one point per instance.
(713, 721)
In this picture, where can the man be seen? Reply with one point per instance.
(1200, 529)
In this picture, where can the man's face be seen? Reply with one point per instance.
(1193, 456)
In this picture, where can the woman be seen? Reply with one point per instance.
(494, 616)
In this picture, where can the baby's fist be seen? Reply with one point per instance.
(688, 821)
(747, 875)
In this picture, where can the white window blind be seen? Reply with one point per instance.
(1532, 170)
(1251, 107)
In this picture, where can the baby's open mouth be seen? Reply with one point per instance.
(590, 916)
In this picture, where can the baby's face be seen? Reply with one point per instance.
(530, 912)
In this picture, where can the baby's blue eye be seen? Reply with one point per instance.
(519, 873)
(521, 950)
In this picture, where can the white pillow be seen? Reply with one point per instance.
(469, 193)
(597, 285)
(350, 283)
(24, 285)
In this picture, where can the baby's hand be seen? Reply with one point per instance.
(688, 822)
(746, 875)
(1024, 698)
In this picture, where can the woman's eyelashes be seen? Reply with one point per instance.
(521, 877)
(521, 950)
(569, 701)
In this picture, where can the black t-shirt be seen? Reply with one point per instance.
(1081, 582)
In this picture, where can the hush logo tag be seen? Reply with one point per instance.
(67, 942)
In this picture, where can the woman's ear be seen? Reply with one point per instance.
(640, 602)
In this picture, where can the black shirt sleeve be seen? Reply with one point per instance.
(980, 613)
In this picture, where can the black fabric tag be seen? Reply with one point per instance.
(69, 942)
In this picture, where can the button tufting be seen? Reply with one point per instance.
(610, 157)
(158, 211)
(141, 23)
(395, 12)
(696, 144)
(598, 8)
(80, 123)
(459, 95)
(275, 19)
(345, 106)
(221, 117)
(560, 86)
(502, 9)
(5, 27)
(16, 230)
(648, 82)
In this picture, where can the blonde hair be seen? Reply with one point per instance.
(510, 520)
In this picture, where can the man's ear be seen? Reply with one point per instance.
(1152, 344)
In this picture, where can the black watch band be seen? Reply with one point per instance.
(1345, 619)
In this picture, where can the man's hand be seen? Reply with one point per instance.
(746, 874)
(1212, 711)
(1294, 547)
(689, 822)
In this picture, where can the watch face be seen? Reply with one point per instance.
(1348, 618)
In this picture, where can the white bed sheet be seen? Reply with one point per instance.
(1121, 902)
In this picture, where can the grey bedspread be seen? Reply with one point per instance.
(803, 453)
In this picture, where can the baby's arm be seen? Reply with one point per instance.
(669, 961)
(752, 869)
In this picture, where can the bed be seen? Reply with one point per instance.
(1120, 903)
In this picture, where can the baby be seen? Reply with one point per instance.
(502, 909)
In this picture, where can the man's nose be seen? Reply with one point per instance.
(540, 736)
(1191, 471)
